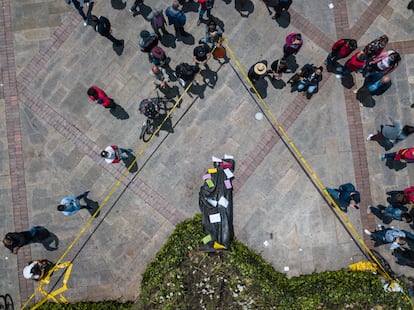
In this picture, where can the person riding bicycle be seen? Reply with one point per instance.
(149, 108)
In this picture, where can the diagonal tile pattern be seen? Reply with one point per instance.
(53, 134)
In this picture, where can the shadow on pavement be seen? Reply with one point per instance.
(119, 112)
(118, 4)
(284, 19)
(244, 7)
(129, 161)
(50, 243)
(395, 164)
(91, 206)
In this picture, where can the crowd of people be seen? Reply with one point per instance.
(374, 62)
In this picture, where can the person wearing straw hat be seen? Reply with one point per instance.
(257, 71)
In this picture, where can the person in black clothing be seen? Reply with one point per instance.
(201, 54)
(102, 25)
(309, 78)
(278, 68)
(257, 71)
(15, 240)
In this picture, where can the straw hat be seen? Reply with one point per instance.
(260, 68)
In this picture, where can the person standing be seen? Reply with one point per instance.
(386, 62)
(78, 4)
(15, 240)
(214, 34)
(292, 45)
(37, 270)
(137, 3)
(205, 6)
(375, 47)
(356, 63)
(71, 205)
(404, 155)
(377, 83)
(392, 133)
(341, 49)
(160, 75)
(309, 84)
(114, 154)
(257, 71)
(278, 68)
(177, 18)
(98, 96)
(346, 196)
(102, 25)
(158, 22)
(201, 55)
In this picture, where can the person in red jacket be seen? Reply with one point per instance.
(341, 49)
(98, 96)
(400, 198)
(356, 63)
(404, 155)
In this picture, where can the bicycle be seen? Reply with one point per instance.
(6, 302)
(151, 108)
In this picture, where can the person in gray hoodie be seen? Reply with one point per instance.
(392, 133)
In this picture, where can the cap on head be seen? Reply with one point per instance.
(104, 154)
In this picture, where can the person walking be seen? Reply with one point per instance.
(404, 155)
(345, 196)
(390, 235)
(158, 22)
(98, 96)
(390, 213)
(37, 270)
(102, 25)
(293, 43)
(177, 18)
(78, 4)
(114, 154)
(205, 6)
(341, 49)
(71, 205)
(392, 133)
(15, 240)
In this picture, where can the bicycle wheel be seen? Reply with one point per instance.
(2, 302)
(149, 130)
(9, 302)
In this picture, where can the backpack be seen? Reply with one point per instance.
(185, 71)
(148, 43)
(149, 108)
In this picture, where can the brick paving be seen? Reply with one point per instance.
(160, 206)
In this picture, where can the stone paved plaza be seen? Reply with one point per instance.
(51, 136)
